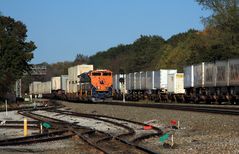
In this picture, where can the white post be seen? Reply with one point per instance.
(123, 94)
(124, 89)
(6, 107)
(34, 104)
(172, 140)
(41, 128)
(178, 124)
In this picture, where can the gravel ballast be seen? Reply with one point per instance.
(198, 133)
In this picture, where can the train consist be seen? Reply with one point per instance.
(161, 85)
(204, 82)
(212, 82)
(81, 84)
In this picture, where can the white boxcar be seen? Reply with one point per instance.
(188, 76)
(199, 75)
(158, 79)
(222, 73)
(142, 80)
(73, 73)
(234, 72)
(209, 75)
(176, 83)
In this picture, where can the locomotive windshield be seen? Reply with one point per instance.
(106, 74)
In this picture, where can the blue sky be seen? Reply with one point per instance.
(63, 28)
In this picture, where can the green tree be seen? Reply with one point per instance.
(81, 59)
(15, 52)
(223, 27)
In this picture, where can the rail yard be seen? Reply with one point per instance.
(133, 85)
(159, 111)
(105, 128)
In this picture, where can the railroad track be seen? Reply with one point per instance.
(45, 137)
(205, 108)
(126, 140)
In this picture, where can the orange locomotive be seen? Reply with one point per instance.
(96, 84)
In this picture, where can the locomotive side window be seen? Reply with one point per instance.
(106, 74)
(96, 74)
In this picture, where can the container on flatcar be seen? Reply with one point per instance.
(188, 77)
(199, 75)
(46, 87)
(222, 73)
(56, 83)
(33, 87)
(74, 72)
(158, 79)
(117, 85)
(209, 75)
(176, 83)
(234, 72)
(64, 79)
(142, 80)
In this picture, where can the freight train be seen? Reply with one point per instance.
(81, 84)
(205, 82)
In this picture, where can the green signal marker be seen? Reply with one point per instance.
(164, 137)
(46, 125)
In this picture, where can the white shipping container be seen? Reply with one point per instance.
(137, 81)
(46, 87)
(209, 75)
(158, 79)
(199, 75)
(128, 82)
(67, 86)
(74, 72)
(131, 79)
(176, 83)
(149, 80)
(64, 79)
(115, 82)
(31, 89)
(56, 83)
(188, 76)
(142, 80)
(222, 73)
(34, 87)
(234, 72)
(117, 85)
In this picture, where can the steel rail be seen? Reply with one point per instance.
(55, 135)
(73, 126)
(130, 132)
